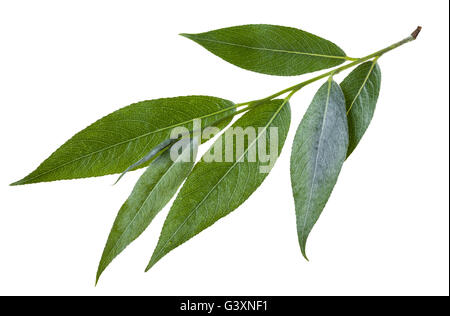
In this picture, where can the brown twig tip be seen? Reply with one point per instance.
(416, 32)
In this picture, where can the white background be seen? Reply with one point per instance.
(384, 231)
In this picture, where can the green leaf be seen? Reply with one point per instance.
(318, 152)
(149, 156)
(271, 49)
(151, 193)
(361, 88)
(118, 140)
(214, 188)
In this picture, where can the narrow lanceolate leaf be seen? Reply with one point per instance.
(149, 156)
(361, 88)
(215, 188)
(271, 49)
(120, 139)
(152, 192)
(318, 152)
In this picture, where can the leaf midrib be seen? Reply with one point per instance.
(316, 161)
(126, 141)
(219, 181)
(265, 49)
(362, 86)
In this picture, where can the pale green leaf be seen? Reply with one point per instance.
(318, 152)
(361, 88)
(214, 188)
(120, 139)
(271, 49)
(151, 193)
(149, 156)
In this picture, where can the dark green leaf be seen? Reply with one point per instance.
(318, 152)
(361, 88)
(152, 192)
(214, 189)
(118, 140)
(271, 49)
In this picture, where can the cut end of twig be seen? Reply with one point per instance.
(416, 32)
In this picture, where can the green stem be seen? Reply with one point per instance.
(292, 90)
(351, 58)
(335, 71)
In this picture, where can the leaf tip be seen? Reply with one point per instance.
(149, 266)
(20, 182)
(152, 262)
(118, 179)
(97, 277)
(302, 242)
(304, 254)
(187, 35)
